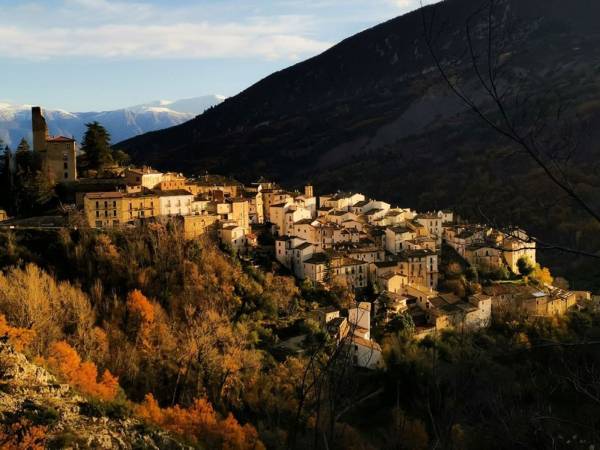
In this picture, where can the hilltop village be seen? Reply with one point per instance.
(400, 264)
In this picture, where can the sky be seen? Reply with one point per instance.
(94, 55)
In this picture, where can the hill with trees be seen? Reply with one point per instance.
(374, 114)
(152, 334)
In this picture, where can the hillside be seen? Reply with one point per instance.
(58, 417)
(374, 114)
(15, 120)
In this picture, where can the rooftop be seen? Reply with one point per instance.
(104, 195)
(318, 258)
(59, 139)
(173, 193)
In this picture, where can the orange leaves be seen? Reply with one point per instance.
(19, 337)
(64, 359)
(200, 423)
(139, 305)
(23, 435)
(83, 376)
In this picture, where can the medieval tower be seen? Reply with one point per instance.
(59, 153)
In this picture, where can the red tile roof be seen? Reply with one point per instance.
(59, 139)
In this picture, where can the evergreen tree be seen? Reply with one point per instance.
(5, 178)
(23, 146)
(96, 145)
(33, 187)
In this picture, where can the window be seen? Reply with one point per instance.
(66, 175)
(114, 204)
(115, 213)
(97, 205)
(66, 165)
(97, 213)
(106, 204)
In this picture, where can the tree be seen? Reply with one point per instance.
(96, 145)
(23, 146)
(200, 423)
(532, 120)
(525, 267)
(542, 274)
(6, 177)
(33, 187)
(82, 375)
(19, 337)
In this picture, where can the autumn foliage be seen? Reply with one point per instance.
(139, 306)
(18, 337)
(82, 375)
(23, 435)
(200, 424)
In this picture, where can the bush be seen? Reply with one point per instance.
(117, 410)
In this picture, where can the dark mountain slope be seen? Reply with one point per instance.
(373, 113)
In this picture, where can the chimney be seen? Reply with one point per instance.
(39, 128)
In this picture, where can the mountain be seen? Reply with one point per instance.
(374, 114)
(15, 120)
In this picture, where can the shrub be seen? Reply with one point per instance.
(82, 375)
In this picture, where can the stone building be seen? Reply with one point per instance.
(58, 153)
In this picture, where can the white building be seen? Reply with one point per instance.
(173, 203)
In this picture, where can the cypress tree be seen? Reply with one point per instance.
(96, 145)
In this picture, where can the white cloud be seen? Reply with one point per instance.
(266, 29)
(112, 29)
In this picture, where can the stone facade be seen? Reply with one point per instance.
(58, 153)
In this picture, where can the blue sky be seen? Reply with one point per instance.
(83, 55)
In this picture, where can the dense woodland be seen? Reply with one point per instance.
(184, 336)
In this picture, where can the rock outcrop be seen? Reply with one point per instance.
(28, 392)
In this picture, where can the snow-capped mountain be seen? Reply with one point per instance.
(15, 120)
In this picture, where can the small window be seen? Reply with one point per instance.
(114, 204)
(97, 213)
(66, 175)
(66, 165)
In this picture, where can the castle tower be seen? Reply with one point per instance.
(308, 191)
(40, 129)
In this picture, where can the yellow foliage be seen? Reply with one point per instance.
(542, 274)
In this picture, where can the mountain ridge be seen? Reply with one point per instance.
(123, 123)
